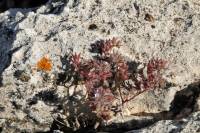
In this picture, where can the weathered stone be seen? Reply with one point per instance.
(190, 124)
(148, 28)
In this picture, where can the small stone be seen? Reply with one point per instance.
(149, 17)
(92, 27)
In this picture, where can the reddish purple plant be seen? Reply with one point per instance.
(104, 47)
(100, 100)
(154, 75)
(75, 60)
(152, 80)
(105, 77)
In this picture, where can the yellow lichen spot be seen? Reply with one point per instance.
(44, 64)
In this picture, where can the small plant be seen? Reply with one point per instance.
(107, 77)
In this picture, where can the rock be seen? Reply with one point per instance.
(152, 102)
(149, 28)
(187, 125)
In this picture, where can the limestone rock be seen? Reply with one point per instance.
(149, 28)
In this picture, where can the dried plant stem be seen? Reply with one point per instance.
(120, 93)
(59, 121)
(140, 92)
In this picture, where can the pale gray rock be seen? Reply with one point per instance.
(149, 28)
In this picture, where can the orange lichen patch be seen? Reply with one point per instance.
(44, 64)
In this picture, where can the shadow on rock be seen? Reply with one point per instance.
(7, 4)
(6, 51)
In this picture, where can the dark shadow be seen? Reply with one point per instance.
(78, 118)
(96, 47)
(66, 75)
(6, 40)
(132, 66)
(49, 97)
(7, 4)
(54, 6)
(184, 100)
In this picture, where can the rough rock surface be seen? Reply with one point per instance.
(188, 125)
(168, 29)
